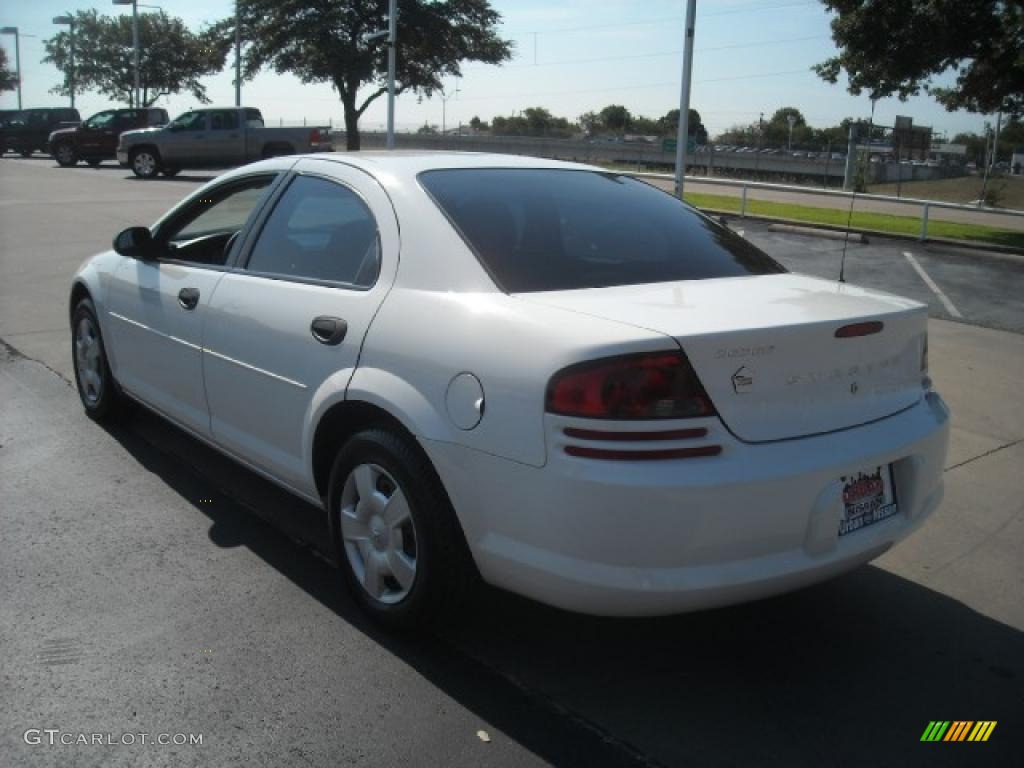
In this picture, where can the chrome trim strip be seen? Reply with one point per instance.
(161, 334)
(253, 368)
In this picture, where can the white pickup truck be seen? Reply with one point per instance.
(214, 138)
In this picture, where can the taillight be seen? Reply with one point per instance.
(314, 138)
(660, 385)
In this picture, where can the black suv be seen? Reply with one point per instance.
(29, 130)
(95, 140)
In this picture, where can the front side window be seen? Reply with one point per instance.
(319, 230)
(203, 233)
(100, 120)
(190, 121)
(553, 229)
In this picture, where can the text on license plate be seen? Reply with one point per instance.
(868, 497)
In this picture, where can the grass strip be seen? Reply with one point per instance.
(878, 222)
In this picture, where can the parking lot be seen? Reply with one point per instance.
(152, 586)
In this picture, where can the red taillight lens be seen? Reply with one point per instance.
(647, 386)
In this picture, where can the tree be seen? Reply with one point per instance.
(8, 77)
(323, 41)
(616, 118)
(171, 57)
(896, 48)
(695, 126)
(532, 121)
(478, 125)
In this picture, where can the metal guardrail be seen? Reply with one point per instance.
(925, 205)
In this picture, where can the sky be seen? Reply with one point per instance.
(571, 56)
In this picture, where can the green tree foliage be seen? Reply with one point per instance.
(695, 126)
(897, 47)
(616, 118)
(532, 121)
(323, 41)
(172, 59)
(478, 125)
(8, 77)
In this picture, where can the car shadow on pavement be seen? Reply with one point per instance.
(846, 673)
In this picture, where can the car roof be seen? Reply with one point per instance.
(408, 163)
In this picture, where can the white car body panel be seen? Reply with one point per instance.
(608, 537)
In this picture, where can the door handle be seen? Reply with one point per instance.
(188, 298)
(328, 330)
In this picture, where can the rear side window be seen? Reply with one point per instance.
(319, 230)
(548, 230)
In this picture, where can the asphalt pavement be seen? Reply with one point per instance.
(151, 586)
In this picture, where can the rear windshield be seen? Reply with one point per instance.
(549, 230)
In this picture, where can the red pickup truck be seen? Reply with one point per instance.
(96, 139)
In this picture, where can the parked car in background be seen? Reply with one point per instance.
(212, 138)
(548, 375)
(29, 130)
(95, 139)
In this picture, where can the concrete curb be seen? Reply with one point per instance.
(831, 234)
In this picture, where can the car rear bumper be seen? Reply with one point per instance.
(632, 538)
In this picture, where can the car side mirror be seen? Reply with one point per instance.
(136, 243)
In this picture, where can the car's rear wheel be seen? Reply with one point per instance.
(400, 545)
(65, 155)
(95, 383)
(145, 163)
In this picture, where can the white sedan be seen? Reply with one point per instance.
(554, 377)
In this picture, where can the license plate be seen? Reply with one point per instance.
(868, 497)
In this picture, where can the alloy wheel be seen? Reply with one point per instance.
(378, 533)
(89, 360)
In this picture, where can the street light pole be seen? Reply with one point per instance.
(17, 55)
(238, 56)
(683, 133)
(392, 39)
(69, 20)
(135, 45)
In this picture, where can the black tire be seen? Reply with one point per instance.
(170, 173)
(65, 154)
(444, 571)
(25, 152)
(145, 162)
(102, 402)
(93, 161)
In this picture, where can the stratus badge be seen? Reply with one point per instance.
(743, 380)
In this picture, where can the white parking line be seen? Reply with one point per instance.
(931, 284)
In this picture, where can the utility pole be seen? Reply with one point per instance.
(69, 21)
(995, 140)
(392, 39)
(683, 133)
(238, 56)
(135, 45)
(851, 157)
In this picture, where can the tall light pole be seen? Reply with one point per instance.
(791, 119)
(69, 20)
(683, 134)
(135, 45)
(392, 40)
(238, 56)
(17, 55)
(444, 105)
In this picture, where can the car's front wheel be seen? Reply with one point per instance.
(65, 155)
(145, 163)
(401, 547)
(95, 383)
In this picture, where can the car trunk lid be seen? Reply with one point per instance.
(766, 347)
